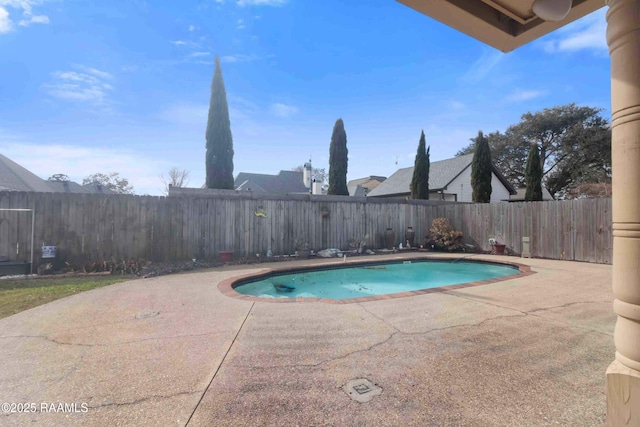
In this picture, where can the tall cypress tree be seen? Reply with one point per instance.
(219, 160)
(481, 170)
(533, 176)
(420, 180)
(338, 161)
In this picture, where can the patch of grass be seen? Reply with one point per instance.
(17, 295)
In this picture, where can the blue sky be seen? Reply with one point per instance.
(123, 86)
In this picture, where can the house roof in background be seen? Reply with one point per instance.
(66, 187)
(360, 186)
(250, 185)
(441, 173)
(14, 177)
(398, 183)
(366, 179)
(519, 196)
(359, 191)
(97, 188)
(284, 182)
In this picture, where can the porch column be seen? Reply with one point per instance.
(623, 375)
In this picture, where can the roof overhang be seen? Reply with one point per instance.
(502, 24)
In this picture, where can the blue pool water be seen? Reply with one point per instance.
(370, 280)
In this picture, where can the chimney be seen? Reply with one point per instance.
(306, 175)
(317, 188)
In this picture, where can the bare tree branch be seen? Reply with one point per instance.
(175, 178)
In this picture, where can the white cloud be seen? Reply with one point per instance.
(5, 21)
(96, 72)
(483, 65)
(239, 58)
(240, 25)
(524, 95)
(243, 3)
(186, 44)
(199, 54)
(456, 105)
(85, 85)
(588, 33)
(192, 28)
(37, 19)
(206, 4)
(282, 110)
(26, 9)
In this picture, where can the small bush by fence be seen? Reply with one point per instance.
(198, 224)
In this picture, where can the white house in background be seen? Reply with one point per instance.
(449, 180)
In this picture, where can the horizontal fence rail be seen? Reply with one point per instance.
(195, 223)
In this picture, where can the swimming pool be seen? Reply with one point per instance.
(368, 280)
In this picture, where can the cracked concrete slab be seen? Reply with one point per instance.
(529, 351)
(91, 348)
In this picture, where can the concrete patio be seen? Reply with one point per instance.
(173, 350)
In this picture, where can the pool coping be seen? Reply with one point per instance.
(227, 287)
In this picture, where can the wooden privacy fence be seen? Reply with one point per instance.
(575, 230)
(199, 223)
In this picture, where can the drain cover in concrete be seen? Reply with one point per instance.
(147, 314)
(362, 390)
